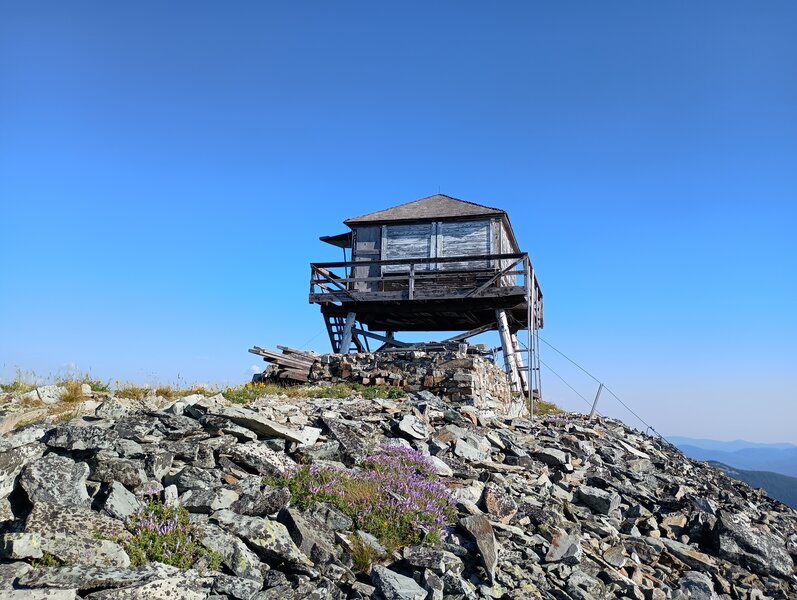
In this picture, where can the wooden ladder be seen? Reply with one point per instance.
(336, 328)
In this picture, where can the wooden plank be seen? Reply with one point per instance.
(294, 375)
(464, 336)
(280, 359)
(297, 353)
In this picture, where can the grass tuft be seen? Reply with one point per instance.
(131, 391)
(541, 407)
(22, 383)
(73, 392)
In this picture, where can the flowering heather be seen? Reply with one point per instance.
(164, 534)
(394, 495)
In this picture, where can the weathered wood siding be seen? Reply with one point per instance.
(366, 246)
(464, 238)
(408, 241)
(505, 246)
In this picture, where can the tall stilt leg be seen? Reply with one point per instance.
(521, 368)
(508, 349)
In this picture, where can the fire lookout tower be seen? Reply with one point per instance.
(434, 264)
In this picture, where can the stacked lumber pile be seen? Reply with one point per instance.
(291, 365)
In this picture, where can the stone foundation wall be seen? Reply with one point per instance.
(459, 378)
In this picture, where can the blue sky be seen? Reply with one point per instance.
(166, 170)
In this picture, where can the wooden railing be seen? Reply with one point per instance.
(423, 278)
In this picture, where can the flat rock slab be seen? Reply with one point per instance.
(57, 480)
(40, 595)
(259, 457)
(266, 427)
(552, 457)
(482, 532)
(501, 506)
(178, 587)
(52, 520)
(235, 587)
(127, 471)
(85, 437)
(75, 550)
(565, 548)
(18, 546)
(208, 501)
(92, 578)
(23, 437)
(395, 586)
(193, 478)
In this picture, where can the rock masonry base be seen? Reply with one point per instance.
(458, 378)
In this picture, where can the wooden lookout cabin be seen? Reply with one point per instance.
(434, 264)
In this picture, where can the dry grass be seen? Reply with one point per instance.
(73, 392)
(362, 555)
(541, 407)
(131, 391)
(23, 382)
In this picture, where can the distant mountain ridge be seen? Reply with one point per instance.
(725, 446)
(780, 487)
(739, 454)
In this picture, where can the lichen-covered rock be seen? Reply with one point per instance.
(235, 554)
(53, 520)
(83, 577)
(57, 480)
(270, 538)
(75, 436)
(12, 462)
(120, 503)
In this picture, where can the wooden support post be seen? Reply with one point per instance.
(411, 286)
(345, 340)
(595, 402)
(508, 350)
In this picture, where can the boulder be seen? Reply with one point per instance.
(269, 538)
(57, 480)
(600, 501)
(394, 586)
(266, 427)
(479, 528)
(12, 462)
(129, 472)
(756, 549)
(120, 503)
(235, 555)
(82, 437)
(259, 457)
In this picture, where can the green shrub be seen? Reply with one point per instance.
(164, 534)
(394, 496)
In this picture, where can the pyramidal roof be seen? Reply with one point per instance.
(438, 206)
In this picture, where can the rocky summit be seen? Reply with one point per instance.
(562, 508)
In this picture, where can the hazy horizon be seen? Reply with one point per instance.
(166, 171)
